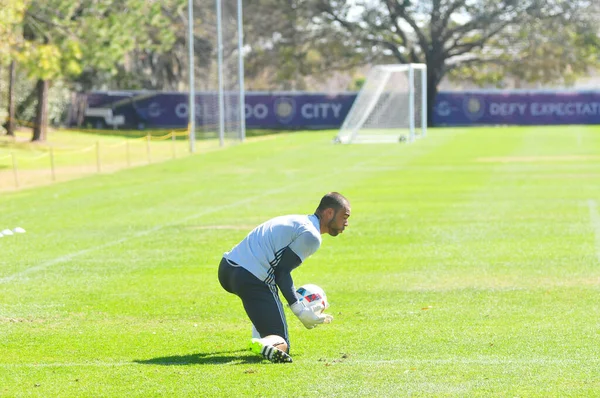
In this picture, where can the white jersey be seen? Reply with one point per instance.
(261, 250)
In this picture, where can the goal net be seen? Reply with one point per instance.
(390, 107)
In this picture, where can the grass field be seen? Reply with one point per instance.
(471, 267)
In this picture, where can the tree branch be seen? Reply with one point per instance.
(459, 49)
(394, 18)
(478, 22)
(393, 48)
(401, 12)
(446, 17)
(38, 18)
(475, 62)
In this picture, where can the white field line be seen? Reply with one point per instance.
(595, 220)
(342, 362)
(70, 256)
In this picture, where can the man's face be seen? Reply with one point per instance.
(338, 220)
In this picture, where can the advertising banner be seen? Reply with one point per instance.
(293, 110)
(262, 110)
(516, 108)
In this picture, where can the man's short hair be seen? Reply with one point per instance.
(332, 200)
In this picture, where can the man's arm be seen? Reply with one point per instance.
(291, 257)
(283, 274)
(289, 260)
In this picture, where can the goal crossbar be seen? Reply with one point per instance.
(390, 107)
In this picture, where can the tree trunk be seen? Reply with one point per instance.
(41, 113)
(10, 123)
(433, 80)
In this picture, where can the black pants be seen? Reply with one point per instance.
(261, 301)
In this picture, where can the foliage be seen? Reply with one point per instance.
(139, 44)
(460, 34)
(285, 45)
(11, 17)
(544, 51)
(358, 83)
(59, 99)
(64, 37)
(116, 42)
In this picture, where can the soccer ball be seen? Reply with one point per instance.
(312, 295)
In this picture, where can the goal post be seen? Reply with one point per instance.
(217, 92)
(390, 107)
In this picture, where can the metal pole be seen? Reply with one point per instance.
(242, 103)
(220, 75)
(148, 139)
(411, 102)
(52, 166)
(191, 71)
(15, 168)
(424, 101)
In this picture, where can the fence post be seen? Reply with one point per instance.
(127, 154)
(98, 156)
(148, 138)
(15, 172)
(52, 168)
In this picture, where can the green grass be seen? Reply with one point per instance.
(471, 267)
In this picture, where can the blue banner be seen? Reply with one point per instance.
(262, 110)
(293, 110)
(516, 108)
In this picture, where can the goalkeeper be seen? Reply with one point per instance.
(261, 265)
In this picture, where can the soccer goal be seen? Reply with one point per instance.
(390, 107)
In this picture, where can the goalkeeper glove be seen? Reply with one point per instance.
(310, 318)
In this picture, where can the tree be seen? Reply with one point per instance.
(9, 125)
(11, 17)
(285, 45)
(544, 51)
(444, 34)
(142, 43)
(50, 50)
(65, 37)
(160, 64)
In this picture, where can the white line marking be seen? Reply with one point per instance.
(595, 220)
(71, 256)
(347, 362)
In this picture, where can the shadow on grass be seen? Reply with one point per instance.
(238, 357)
